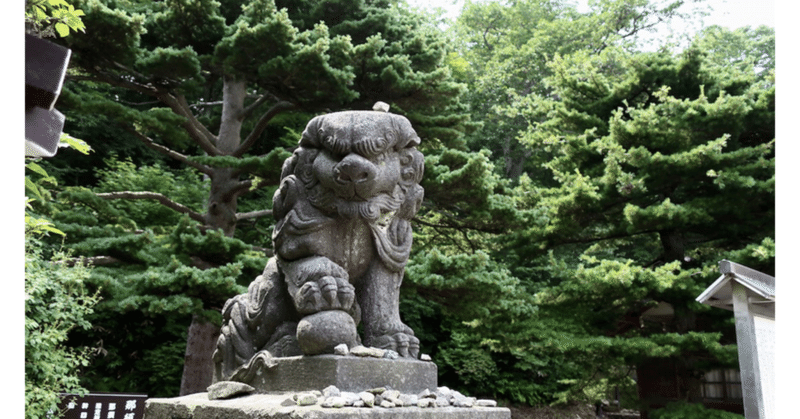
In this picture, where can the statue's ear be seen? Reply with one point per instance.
(284, 198)
(312, 136)
(406, 136)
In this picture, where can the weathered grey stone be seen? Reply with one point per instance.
(306, 399)
(350, 397)
(442, 402)
(268, 406)
(348, 373)
(343, 216)
(426, 402)
(464, 402)
(395, 401)
(363, 351)
(485, 403)
(425, 357)
(331, 391)
(380, 107)
(409, 399)
(367, 398)
(228, 389)
(426, 394)
(343, 211)
(335, 402)
(321, 332)
(390, 394)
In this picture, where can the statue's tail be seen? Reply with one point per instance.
(253, 322)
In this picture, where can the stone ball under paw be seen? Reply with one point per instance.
(321, 332)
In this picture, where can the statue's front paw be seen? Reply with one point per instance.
(326, 293)
(405, 344)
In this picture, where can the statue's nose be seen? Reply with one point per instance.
(354, 169)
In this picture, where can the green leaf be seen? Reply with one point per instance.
(62, 29)
(77, 144)
(38, 169)
(29, 185)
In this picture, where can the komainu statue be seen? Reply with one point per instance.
(342, 240)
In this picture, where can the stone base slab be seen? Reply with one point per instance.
(347, 373)
(268, 406)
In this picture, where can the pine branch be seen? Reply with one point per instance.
(253, 214)
(204, 138)
(261, 125)
(149, 142)
(260, 101)
(163, 200)
(125, 84)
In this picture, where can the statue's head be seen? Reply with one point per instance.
(359, 163)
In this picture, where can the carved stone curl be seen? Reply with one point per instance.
(342, 240)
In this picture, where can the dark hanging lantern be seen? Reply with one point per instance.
(45, 68)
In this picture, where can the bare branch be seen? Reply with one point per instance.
(253, 214)
(163, 200)
(205, 139)
(205, 104)
(239, 189)
(262, 125)
(125, 102)
(169, 152)
(94, 261)
(260, 101)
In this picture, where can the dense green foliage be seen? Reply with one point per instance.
(57, 301)
(593, 182)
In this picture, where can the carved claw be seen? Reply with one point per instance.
(328, 288)
(327, 293)
(309, 298)
(347, 295)
(406, 345)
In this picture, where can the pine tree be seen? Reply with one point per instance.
(663, 165)
(209, 84)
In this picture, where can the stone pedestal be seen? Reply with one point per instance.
(302, 387)
(347, 373)
(268, 406)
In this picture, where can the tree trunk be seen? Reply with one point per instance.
(198, 367)
(674, 245)
(222, 201)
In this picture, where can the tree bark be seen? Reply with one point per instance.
(198, 366)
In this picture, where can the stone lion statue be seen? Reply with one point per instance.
(342, 240)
